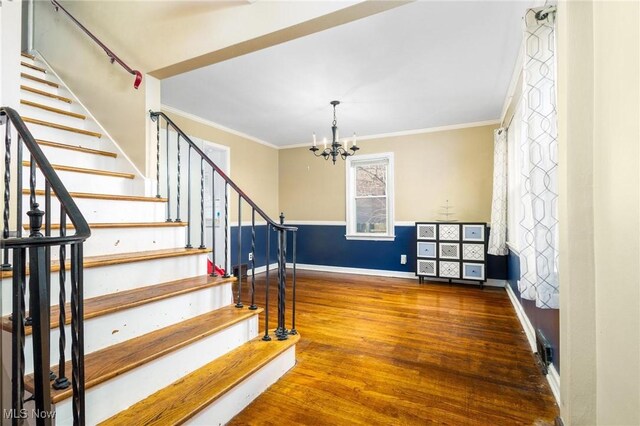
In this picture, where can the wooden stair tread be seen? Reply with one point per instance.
(114, 302)
(52, 109)
(61, 127)
(117, 225)
(87, 171)
(115, 259)
(76, 148)
(39, 80)
(184, 398)
(33, 67)
(105, 196)
(26, 55)
(115, 360)
(43, 93)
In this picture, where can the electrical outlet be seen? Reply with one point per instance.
(403, 259)
(250, 257)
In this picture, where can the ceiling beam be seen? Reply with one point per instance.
(321, 23)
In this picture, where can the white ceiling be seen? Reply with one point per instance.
(422, 65)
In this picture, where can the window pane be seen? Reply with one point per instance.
(371, 180)
(371, 215)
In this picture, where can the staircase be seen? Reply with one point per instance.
(164, 343)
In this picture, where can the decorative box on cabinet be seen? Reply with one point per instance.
(451, 251)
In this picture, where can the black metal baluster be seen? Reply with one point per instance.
(293, 284)
(202, 245)
(157, 156)
(253, 260)
(39, 312)
(266, 336)
(32, 182)
(226, 230)
(77, 334)
(19, 191)
(189, 200)
(281, 331)
(62, 382)
(213, 222)
(239, 300)
(18, 334)
(47, 249)
(168, 180)
(178, 192)
(7, 190)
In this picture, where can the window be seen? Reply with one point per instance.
(370, 197)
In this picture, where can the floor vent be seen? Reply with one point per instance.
(545, 352)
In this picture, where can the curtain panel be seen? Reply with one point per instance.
(538, 221)
(498, 236)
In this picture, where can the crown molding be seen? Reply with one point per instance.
(410, 132)
(210, 123)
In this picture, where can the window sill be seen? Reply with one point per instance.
(371, 237)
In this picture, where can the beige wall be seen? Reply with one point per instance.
(254, 167)
(599, 116)
(429, 169)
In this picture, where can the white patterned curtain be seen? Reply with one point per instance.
(498, 236)
(538, 223)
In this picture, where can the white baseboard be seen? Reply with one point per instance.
(377, 273)
(552, 377)
(262, 269)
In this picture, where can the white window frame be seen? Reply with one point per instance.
(514, 173)
(351, 162)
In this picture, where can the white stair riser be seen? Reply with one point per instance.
(37, 85)
(107, 330)
(55, 117)
(63, 136)
(103, 280)
(68, 157)
(105, 241)
(41, 99)
(226, 407)
(113, 396)
(97, 211)
(86, 182)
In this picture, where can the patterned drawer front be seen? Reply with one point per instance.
(473, 252)
(426, 267)
(449, 232)
(449, 269)
(473, 232)
(473, 271)
(426, 232)
(449, 250)
(426, 249)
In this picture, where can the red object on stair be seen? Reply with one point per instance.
(211, 267)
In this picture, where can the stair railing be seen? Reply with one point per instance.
(172, 146)
(30, 256)
(112, 56)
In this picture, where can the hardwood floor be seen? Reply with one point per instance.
(388, 351)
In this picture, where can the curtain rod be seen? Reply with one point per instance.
(543, 14)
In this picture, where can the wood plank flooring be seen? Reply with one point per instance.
(388, 351)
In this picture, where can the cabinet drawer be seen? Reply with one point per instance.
(426, 231)
(473, 252)
(449, 232)
(426, 267)
(449, 250)
(426, 249)
(473, 232)
(473, 271)
(449, 269)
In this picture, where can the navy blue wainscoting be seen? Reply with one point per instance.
(547, 320)
(261, 239)
(327, 245)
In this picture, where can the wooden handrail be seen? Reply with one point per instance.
(112, 56)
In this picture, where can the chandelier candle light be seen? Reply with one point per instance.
(336, 149)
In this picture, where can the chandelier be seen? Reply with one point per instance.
(336, 149)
